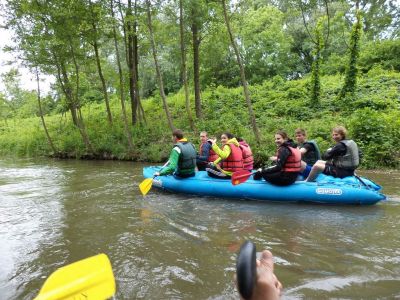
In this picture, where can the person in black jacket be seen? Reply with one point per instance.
(287, 162)
(339, 161)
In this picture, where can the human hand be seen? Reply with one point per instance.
(156, 174)
(273, 158)
(212, 141)
(267, 284)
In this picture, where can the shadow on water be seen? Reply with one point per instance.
(173, 246)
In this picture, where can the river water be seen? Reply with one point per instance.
(168, 246)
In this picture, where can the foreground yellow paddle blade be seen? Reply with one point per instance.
(145, 186)
(90, 278)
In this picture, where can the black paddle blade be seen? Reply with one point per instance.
(246, 269)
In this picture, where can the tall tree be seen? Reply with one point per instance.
(242, 75)
(157, 66)
(183, 62)
(132, 60)
(121, 80)
(94, 11)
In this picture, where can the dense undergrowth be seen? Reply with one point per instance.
(372, 118)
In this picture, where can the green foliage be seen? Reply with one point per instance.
(348, 90)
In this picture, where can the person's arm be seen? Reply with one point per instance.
(337, 150)
(305, 148)
(173, 162)
(283, 154)
(205, 152)
(224, 153)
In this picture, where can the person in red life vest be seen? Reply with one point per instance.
(206, 154)
(230, 157)
(248, 159)
(287, 159)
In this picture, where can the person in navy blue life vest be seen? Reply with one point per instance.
(206, 154)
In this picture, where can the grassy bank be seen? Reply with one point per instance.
(372, 117)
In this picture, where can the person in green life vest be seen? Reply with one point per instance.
(230, 157)
(182, 160)
(310, 153)
(339, 161)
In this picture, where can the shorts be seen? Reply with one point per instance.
(337, 172)
(306, 171)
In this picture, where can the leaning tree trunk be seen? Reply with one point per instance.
(184, 71)
(158, 71)
(121, 83)
(49, 140)
(242, 75)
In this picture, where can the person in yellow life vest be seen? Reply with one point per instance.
(182, 160)
(230, 157)
(287, 162)
(206, 154)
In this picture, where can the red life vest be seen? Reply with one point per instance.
(234, 162)
(293, 162)
(212, 155)
(248, 159)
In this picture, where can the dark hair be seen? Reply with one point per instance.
(178, 134)
(283, 134)
(228, 135)
(300, 131)
(239, 139)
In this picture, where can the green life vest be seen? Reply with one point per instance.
(311, 156)
(351, 159)
(187, 158)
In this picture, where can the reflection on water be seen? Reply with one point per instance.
(183, 247)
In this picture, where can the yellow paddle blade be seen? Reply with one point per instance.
(90, 278)
(145, 186)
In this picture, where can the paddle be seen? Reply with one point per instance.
(240, 176)
(90, 278)
(246, 269)
(146, 184)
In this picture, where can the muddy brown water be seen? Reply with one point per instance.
(170, 246)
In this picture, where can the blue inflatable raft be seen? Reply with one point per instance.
(328, 190)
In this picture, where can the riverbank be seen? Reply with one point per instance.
(372, 118)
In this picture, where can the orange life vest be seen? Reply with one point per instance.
(212, 156)
(234, 162)
(248, 159)
(293, 162)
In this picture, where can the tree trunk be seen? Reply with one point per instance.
(131, 64)
(196, 70)
(81, 124)
(121, 83)
(49, 140)
(103, 82)
(135, 47)
(100, 71)
(184, 71)
(242, 76)
(158, 71)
